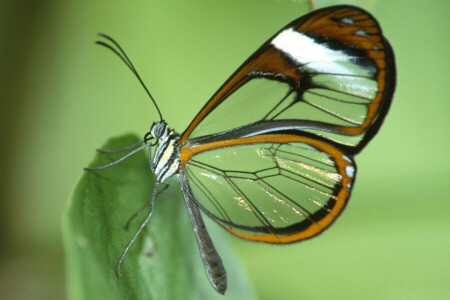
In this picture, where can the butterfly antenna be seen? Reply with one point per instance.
(123, 56)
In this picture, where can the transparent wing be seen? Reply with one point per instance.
(275, 188)
(330, 73)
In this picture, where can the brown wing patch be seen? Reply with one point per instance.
(267, 60)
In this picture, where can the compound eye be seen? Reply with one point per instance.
(155, 132)
(158, 129)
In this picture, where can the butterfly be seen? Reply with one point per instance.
(270, 156)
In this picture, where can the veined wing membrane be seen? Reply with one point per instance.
(274, 188)
(331, 74)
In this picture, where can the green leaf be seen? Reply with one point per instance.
(163, 263)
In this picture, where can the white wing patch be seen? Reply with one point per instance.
(317, 57)
(304, 49)
(350, 170)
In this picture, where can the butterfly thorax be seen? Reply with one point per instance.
(166, 158)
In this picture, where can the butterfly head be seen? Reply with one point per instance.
(157, 130)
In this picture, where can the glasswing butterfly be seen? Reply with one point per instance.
(270, 156)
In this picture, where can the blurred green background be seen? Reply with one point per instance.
(61, 97)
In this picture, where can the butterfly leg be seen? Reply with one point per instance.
(144, 206)
(117, 161)
(211, 259)
(150, 210)
(150, 161)
(119, 150)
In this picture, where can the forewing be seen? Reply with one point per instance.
(274, 188)
(330, 72)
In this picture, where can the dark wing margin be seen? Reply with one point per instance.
(336, 76)
(273, 188)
